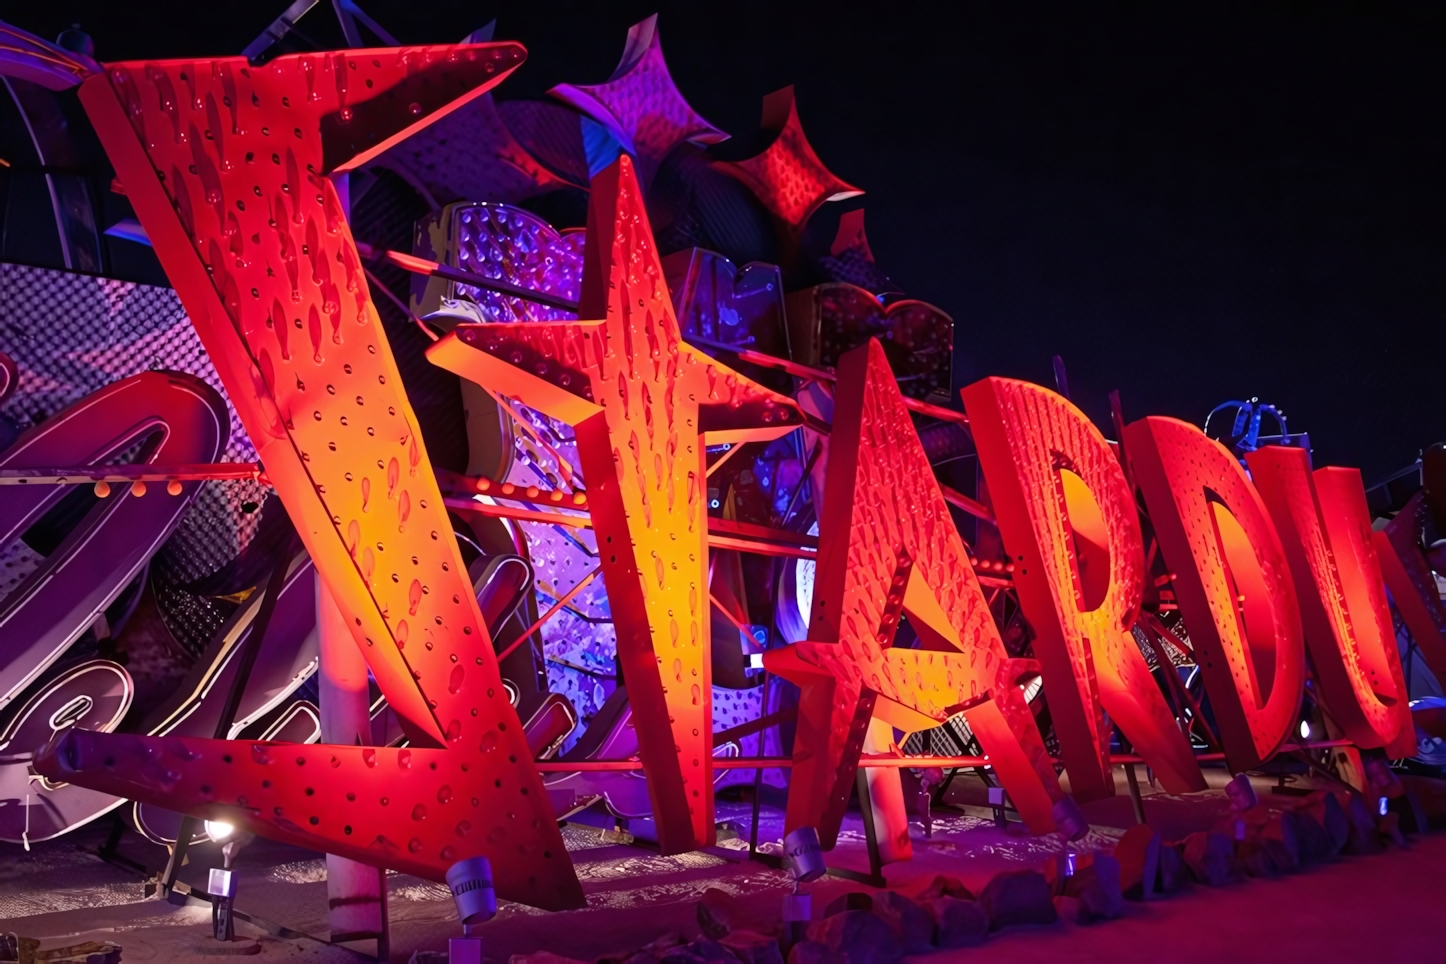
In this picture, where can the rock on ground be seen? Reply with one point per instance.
(750, 947)
(958, 923)
(853, 900)
(860, 934)
(912, 924)
(538, 957)
(1138, 853)
(1211, 859)
(812, 952)
(944, 885)
(1097, 887)
(1020, 897)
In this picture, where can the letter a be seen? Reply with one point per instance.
(888, 544)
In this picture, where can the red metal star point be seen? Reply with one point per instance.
(788, 177)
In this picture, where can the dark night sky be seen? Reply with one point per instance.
(1188, 203)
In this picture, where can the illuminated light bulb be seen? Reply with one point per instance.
(102, 489)
(138, 488)
(173, 487)
(219, 830)
(1304, 730)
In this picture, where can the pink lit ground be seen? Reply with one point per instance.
(1361, 908)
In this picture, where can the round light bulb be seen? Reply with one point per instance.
(1304, 730)
(219, 830)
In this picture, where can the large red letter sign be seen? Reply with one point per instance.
(641, 401)
(1326, 528)
(1068, 519)
(227, 167)
(887, 544)
(1231, 579)
(1412, 584)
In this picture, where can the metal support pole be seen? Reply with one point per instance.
(757, 780)
(1135, 798)
(871, 832)
(356, 892)
(875, 875)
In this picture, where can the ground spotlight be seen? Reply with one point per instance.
(219, 830)
(471, 884)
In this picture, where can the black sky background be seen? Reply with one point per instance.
(1188, 202)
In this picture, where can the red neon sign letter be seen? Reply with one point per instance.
(887, 544)
(227, 166)
(1231, 579)
(1325, 525)
(1069, 520)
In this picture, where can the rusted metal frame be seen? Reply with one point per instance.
(507, 402)
(422, 266)
(510, 491)
(84, 474)
(377, 283)
(751, 727)
(798, 546)
(556, 608)
(732, 451)
(1156, 634)
(748, 530)
(759, 548)
(887, 762)
(522, 515)
(824, 375)
(738, 624)
(802, 481)
(961, 501)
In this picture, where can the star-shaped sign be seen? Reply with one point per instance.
(788, 177)
(642, 401)
(227, 166)
(889, 545)
(472, 154)
(640, 105)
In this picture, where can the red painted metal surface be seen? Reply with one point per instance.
(1325, 527)
(888, 545)
(227, 166)
(1070, 526)
(1231, 579)
(788, 176)
(642, 403)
